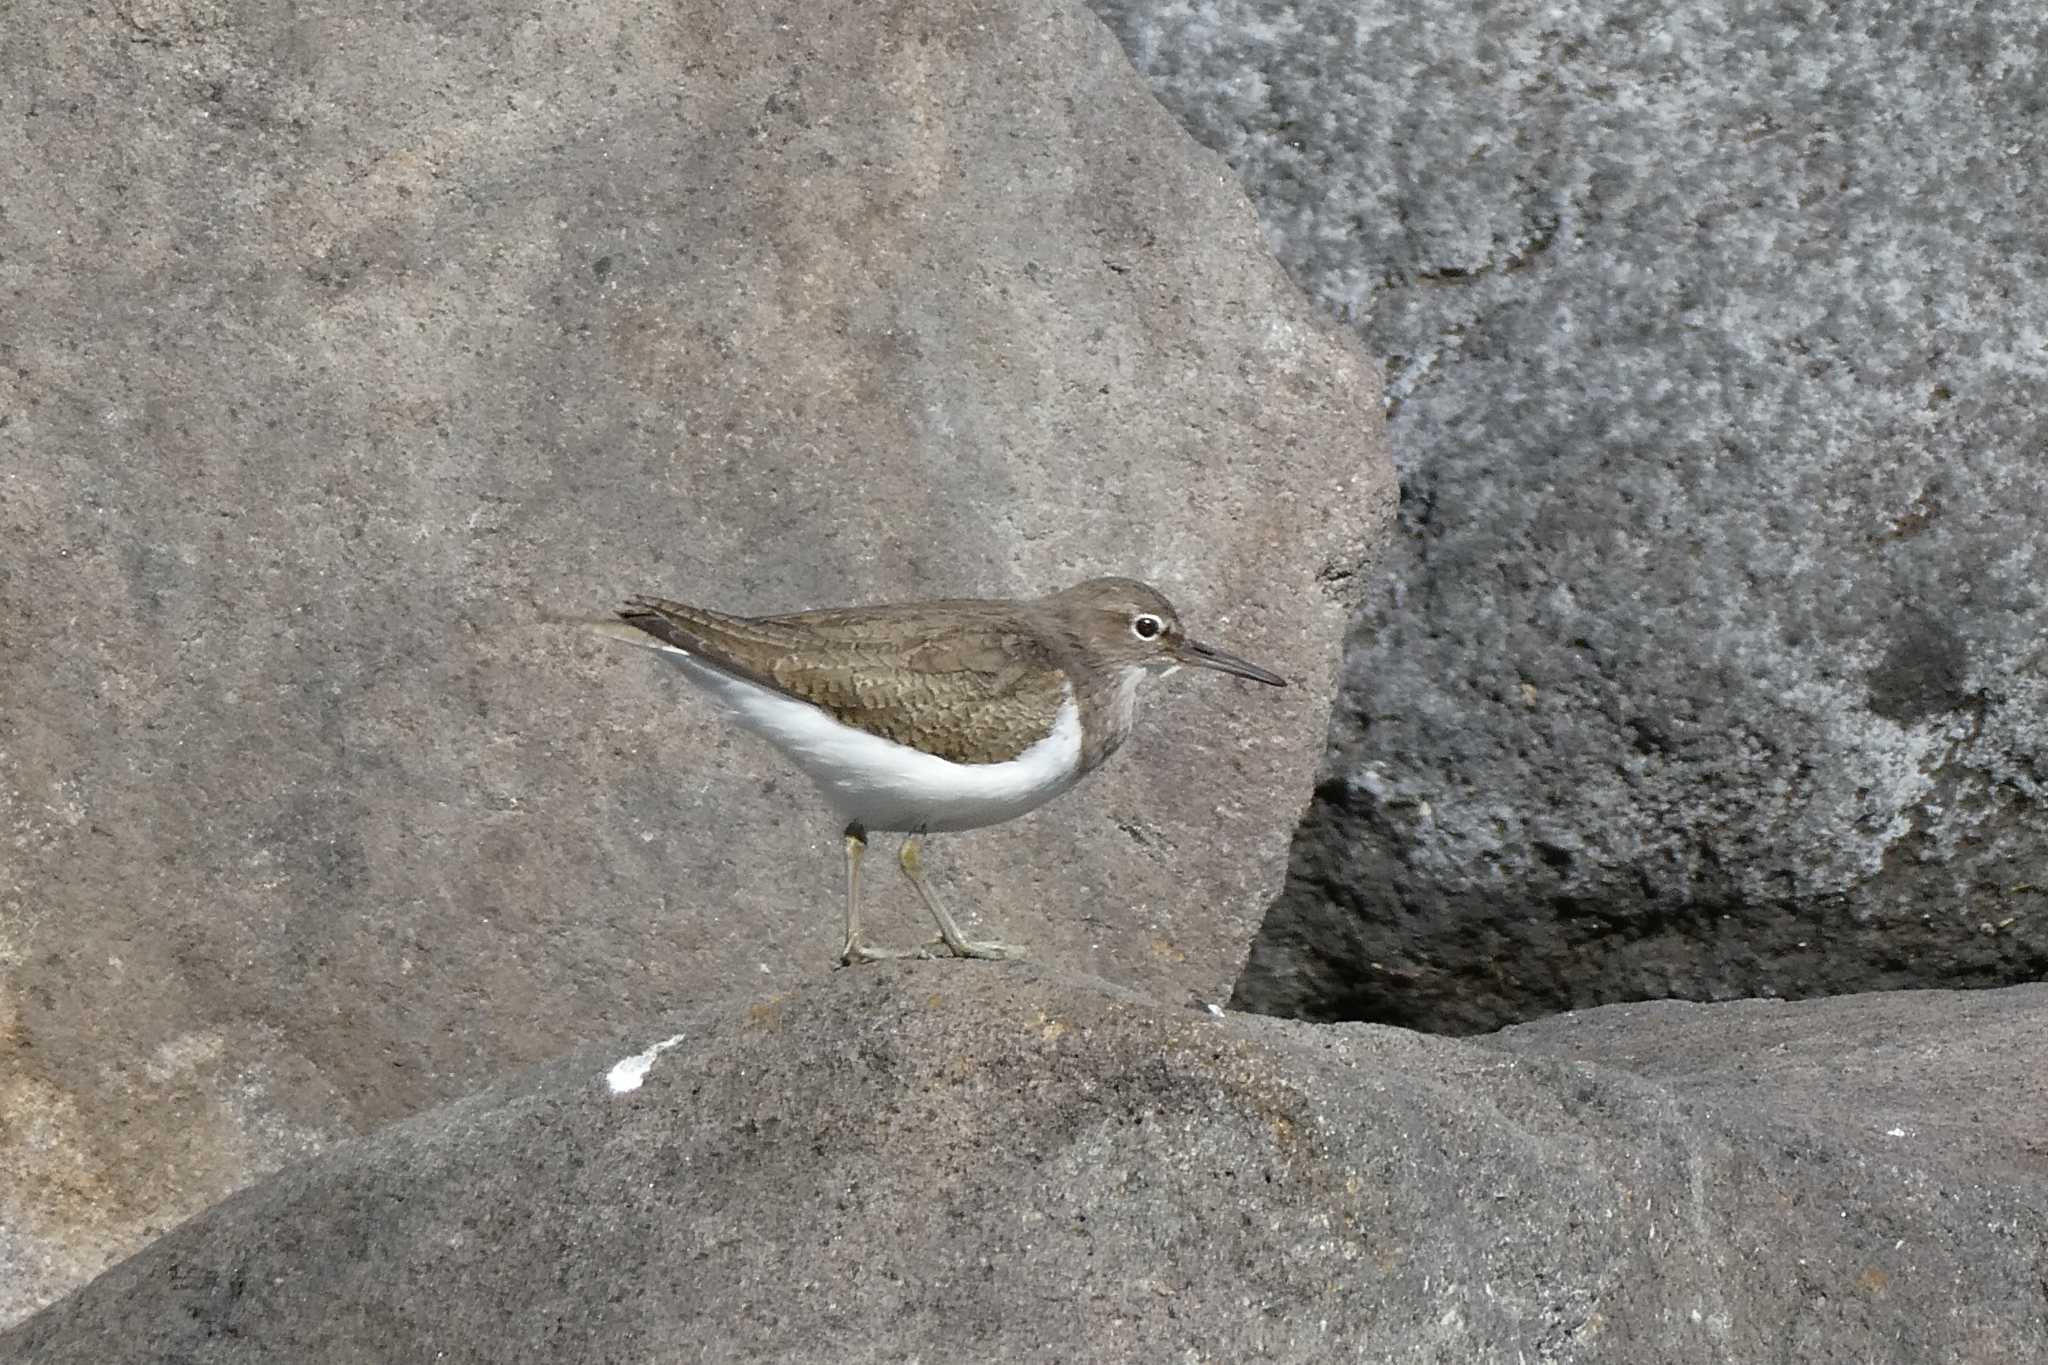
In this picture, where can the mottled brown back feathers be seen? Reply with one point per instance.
(970, 681)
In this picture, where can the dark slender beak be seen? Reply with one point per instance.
(1198, 655)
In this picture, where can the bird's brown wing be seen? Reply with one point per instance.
(973, 687)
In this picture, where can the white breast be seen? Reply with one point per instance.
(889, 786)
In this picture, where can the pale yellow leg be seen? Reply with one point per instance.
(956, 944)
(856, 950)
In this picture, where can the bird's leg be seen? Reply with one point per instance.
(855, 950)
(956, 944)
(856, 844)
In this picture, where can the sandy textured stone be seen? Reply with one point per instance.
(352, 350)
(1711, 658)
(920, 1164)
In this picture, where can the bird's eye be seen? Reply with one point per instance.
(1146, 626)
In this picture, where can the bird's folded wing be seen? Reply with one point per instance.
(973, 691)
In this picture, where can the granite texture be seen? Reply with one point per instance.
(1710, 661)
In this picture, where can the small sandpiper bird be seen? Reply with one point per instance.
(929, 717)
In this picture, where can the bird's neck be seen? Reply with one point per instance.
(1108, 712)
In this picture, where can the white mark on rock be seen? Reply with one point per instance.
(627, 1073)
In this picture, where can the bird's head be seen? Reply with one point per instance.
(1127, 624)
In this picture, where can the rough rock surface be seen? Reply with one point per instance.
(998, 1164)
(351, 350)
(1711, 658)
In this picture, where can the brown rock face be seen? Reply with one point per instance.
(349, 353)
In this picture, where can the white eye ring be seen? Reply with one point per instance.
(1146, 626)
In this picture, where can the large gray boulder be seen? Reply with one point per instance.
(1710, 661)
(986, 1164)
(352, 352)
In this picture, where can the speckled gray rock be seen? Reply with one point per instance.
(913, 1164)
(351, 351)
(1711, 662)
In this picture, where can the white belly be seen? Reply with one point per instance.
(889, 786)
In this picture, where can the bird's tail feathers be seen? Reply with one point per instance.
(625, 633)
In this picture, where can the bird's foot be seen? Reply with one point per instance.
(868, 952)
(986, 949)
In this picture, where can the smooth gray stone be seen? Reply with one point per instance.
(988, 1164)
